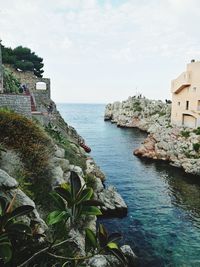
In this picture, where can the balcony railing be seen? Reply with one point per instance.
(181, 82)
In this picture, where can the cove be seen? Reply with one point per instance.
(163, 222)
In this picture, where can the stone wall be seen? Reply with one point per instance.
(30, 80)
(19, 103)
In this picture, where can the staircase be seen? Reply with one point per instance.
(33, 105)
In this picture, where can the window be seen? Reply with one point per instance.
(187, 105)
(179, 103)
(41, 86)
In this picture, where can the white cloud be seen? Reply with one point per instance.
(145, 42)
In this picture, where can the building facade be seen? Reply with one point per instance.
(186, 97)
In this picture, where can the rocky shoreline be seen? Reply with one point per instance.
(177, 145)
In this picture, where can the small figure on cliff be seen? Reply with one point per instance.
(50, 108)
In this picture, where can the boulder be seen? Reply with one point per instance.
(111, 261)
(114, 205)
(59, 152)
(6, 181)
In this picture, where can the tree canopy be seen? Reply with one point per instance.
(23, 58)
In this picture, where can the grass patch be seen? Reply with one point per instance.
(197, 131)
(185, 134)
(196, 147)
(136, 106)
(161, 113)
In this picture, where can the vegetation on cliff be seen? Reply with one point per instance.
(11, 83)
(23, 58)
(34, 148)
(20, 244)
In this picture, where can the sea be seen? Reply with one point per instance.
(163, 222)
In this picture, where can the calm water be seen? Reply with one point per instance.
(163, 223)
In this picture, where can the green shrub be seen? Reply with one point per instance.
(90, 180)
(197, 131)
(11, 83)
(136, 106)
(55, 134)
(185, 134)
(161, 113)
(196, 147)
(33, 146)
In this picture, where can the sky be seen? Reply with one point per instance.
(101, 51)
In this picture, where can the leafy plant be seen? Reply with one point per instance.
(55, 133)
(11, 83)
(197, 131)
(185, 134)
(73, 201)
(103, 242)
(196, 147)
(11, 230)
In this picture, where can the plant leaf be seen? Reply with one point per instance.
(90, 210)
(4, 238)
(75, 184)
(90, 239)
(112, 245)
(57, 216)
(58, 200)
(119, 255)
(3, 204)
(20, 211)
(64, 193)
(16, 228)
(85, 195)
(102, 235)
(5, 251)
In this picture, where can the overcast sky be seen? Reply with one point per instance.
(105, 50)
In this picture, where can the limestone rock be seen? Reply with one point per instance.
(57, 176)
(92, 168)
(6, 181)
(76, 169)
(111, 261)
(114, 205)
(59, 152)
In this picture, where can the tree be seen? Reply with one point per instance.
(23, 58)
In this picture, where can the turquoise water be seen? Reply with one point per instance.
(163, 223)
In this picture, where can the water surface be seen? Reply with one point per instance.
(163, 223)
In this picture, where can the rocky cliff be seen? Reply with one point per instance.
(180, 146)
(40, 154)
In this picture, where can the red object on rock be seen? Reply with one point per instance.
(86, 148)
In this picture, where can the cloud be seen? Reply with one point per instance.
(120, 35)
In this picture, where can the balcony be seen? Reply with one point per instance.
(183, 80)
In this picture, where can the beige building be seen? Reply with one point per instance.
(186, 97)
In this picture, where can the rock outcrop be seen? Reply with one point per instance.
(111, 261)
(178, 145)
